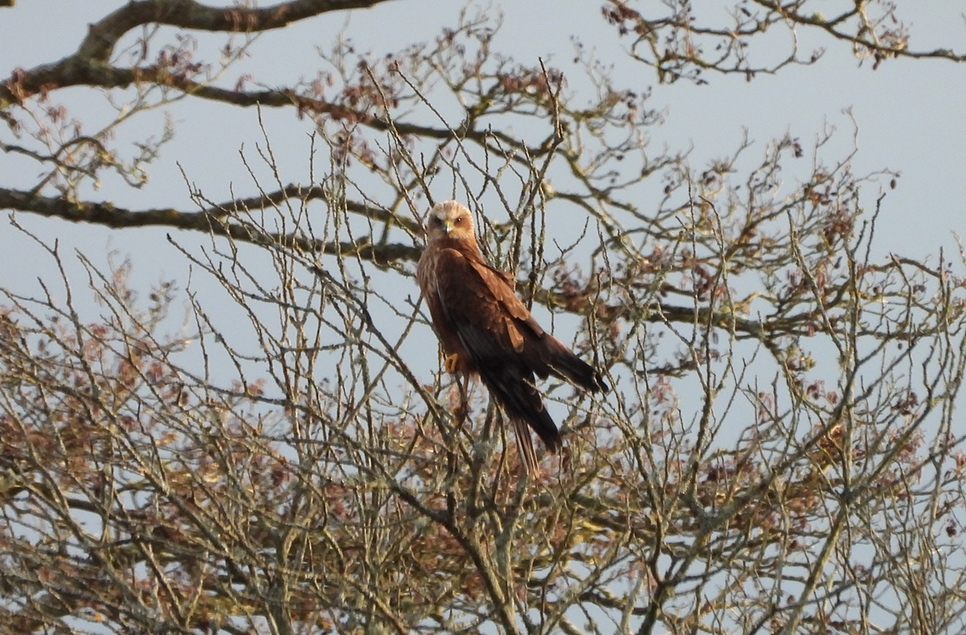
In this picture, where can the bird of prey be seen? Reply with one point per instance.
(485, 330)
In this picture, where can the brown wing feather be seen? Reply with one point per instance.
(543, 353)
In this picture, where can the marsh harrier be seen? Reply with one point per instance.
(485, 330)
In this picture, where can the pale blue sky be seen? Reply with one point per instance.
(909, 113)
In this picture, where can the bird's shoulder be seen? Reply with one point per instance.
(462, 272)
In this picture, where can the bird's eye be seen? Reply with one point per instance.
(459, 219)
(433, 220)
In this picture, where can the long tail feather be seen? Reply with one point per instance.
(514, 390)
(525, 445)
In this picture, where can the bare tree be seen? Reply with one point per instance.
(779, 455)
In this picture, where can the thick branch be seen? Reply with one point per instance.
(89, 65)
(217, 219)
(188, 14)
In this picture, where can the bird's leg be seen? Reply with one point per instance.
(451, 363)
(462, 410)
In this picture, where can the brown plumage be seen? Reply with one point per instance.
(485, 330)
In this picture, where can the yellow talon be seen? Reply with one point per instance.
(451, 363)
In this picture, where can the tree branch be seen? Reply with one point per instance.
(188, 14)
(217, 219)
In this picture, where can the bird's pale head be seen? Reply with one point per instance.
(449, 219)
